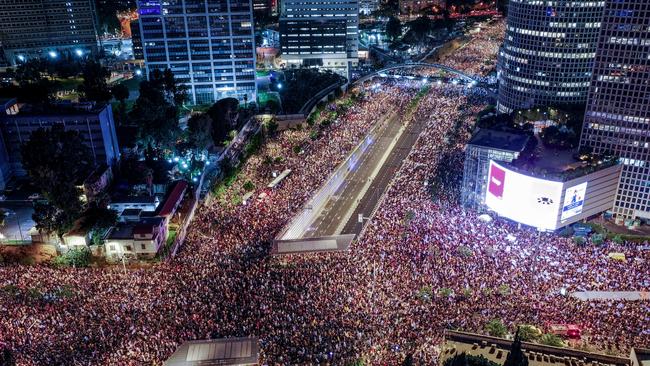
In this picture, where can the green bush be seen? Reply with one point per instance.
(74, 258)
(551, 340)
(504, 290)
(297, 149)
(464, 251)
(445, 292)
(598, 239)
(579, 240)
(529, 333)
(313, 135)
(425, 293)
(272, 127)
(495, 328)
(618, 239)
(249, 186)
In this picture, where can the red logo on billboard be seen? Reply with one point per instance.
(497, 180)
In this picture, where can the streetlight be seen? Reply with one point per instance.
(79, 52)
(21, 58)
(138, 72)
(279, 86)
(53, 54)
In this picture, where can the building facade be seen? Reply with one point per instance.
(47, 28)
(209, 46)
(547, 56)
(414, 7)
(366, 7)
(618, 113)
(324, 34)
(485, 146)
(94, 122)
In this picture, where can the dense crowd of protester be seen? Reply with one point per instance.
(378, 302)
(477, 55)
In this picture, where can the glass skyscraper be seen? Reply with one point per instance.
(618, 111)
(209, 45)
(320, 34)
(547, 55)
(45, 28)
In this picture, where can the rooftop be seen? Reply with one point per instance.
(64, 108)
(175, 194)
(225, 351)
(502, 140)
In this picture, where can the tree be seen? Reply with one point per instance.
(57, 160)
(94, 86)
(98, 220)
(495, 328)
(551, 340)
(516, 357)
(121, 93)
(393, 28)
(200, 132)
(156, 119)
(224, 116)
(529, 333)
(420, 28)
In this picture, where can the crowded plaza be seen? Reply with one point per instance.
(363, 305)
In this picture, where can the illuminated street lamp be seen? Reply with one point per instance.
(79, 52)
(53, 54)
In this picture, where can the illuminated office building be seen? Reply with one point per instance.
(618, 111)
(548, 52)
(324, 34)
(209, 45)
(47, 28)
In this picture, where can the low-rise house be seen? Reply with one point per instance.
(140, 240)
(77, 237)
(144, 203)
(173, 200)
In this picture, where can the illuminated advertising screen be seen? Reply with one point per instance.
(574, 200)
(527, 200)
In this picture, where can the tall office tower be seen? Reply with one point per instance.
(136, 39)
(265, 8)
(547, 55)
(45, 28)
(618, 111)
(209, 45)
(317, 33)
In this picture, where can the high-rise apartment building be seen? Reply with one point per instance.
(548, 52)
(46, 28)
(317, 33)
(617, 119)
(209, 45)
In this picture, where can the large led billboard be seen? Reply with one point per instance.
(574, 200)
(527, 200)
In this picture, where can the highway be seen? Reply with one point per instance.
(363, 187)
(343, 201)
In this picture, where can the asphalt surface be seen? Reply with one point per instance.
(341, 213)
(338, 208)
(368, 203)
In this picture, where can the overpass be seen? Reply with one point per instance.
(462, 75)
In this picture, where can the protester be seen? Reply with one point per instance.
(378, 302)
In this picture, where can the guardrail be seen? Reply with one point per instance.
(299, 222)
(311, 103)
